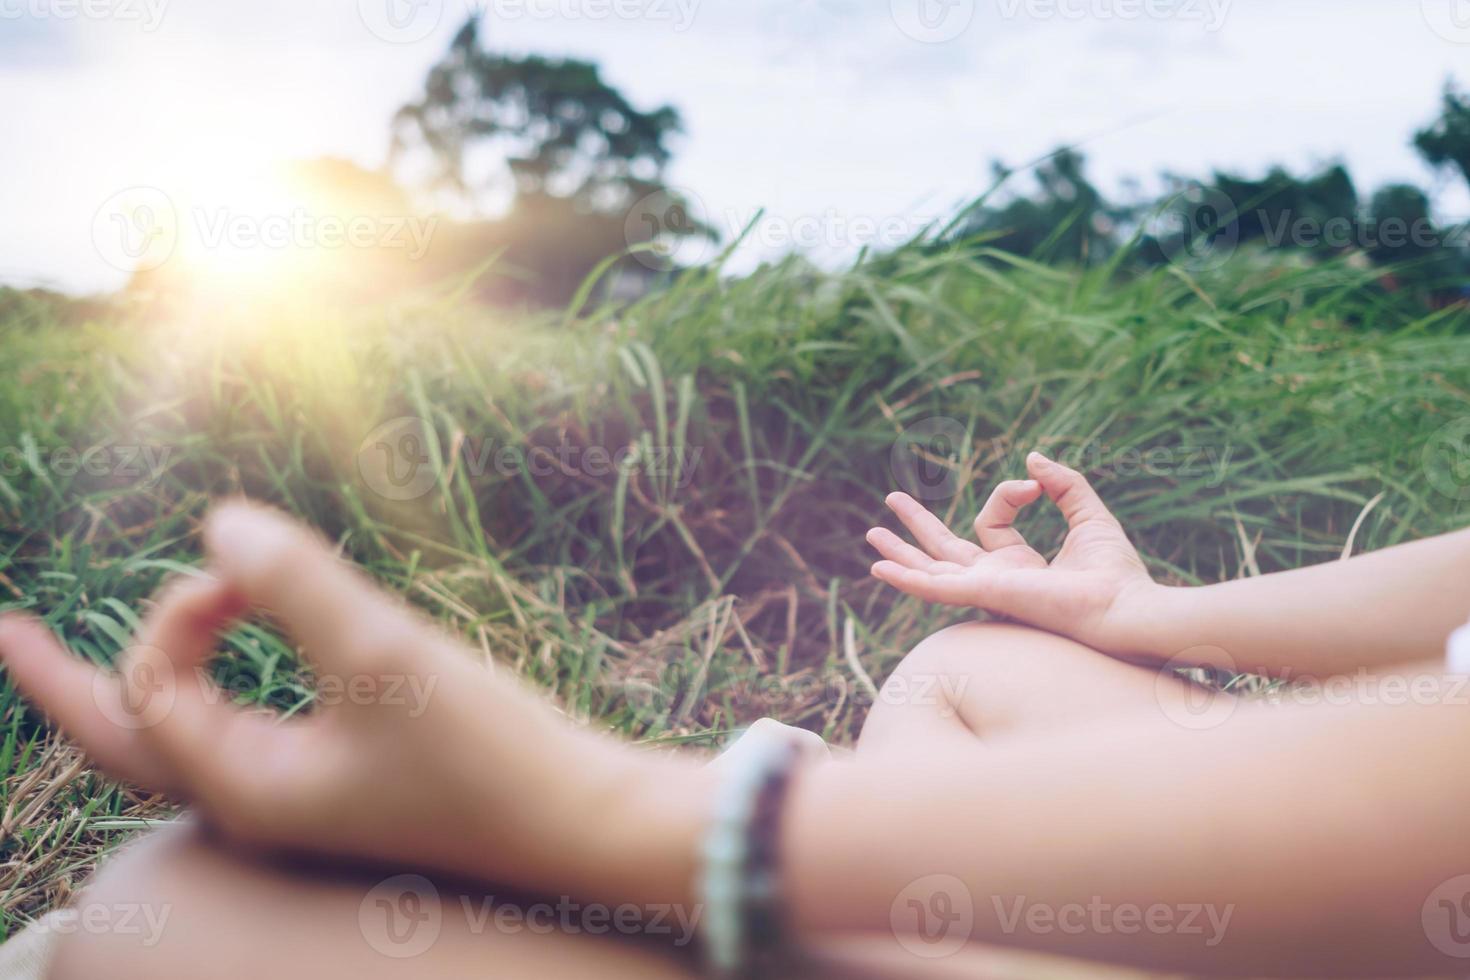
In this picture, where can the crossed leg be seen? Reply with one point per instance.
(228, 916)
(999, 681)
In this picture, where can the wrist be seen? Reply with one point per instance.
(1146, 620)
(641, 820)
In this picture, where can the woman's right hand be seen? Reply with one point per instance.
(1096, 590)
(416, 753)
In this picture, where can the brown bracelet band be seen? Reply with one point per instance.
(744, 910)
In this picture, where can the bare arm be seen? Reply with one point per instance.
(1382, 609)
(1330, 837)
(1391, 607)
(1287, 841)
(1321, 834)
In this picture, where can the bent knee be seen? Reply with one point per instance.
(992, 678)
(939, 687)
(981, 650)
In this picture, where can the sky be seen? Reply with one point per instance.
(850, 122)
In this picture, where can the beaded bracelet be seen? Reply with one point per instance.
(1457, 651)
(739, 884)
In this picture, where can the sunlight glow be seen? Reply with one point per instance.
(250, 231)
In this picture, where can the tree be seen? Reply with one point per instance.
(1401, 226)
(1446, 141)
(576, 170)
(1269, 208)
(1069, 221)
(490, 122)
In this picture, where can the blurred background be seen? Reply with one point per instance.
(599, 329)
(220, 146)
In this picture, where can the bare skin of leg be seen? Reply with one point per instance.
(227, 917)
(231, 916)
(996, 681)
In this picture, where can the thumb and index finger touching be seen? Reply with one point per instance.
(162, 718)
(1069, 490)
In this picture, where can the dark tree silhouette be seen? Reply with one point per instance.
(1068, 221)
(540, 126)
(1446, 141)
(575, 171)
(1269, 208)
(1401, 226)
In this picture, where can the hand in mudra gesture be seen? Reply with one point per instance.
(1091, 591)
(419, 758)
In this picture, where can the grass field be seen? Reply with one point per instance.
(657, 512)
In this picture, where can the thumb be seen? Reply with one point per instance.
(167, 701)
(213, 750)
(188, 618)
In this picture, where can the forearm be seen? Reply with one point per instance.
(1286, 841)
(1314, 835)
(644, 833)
(626, 827)
(1389, 607)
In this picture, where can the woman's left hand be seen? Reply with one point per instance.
(1096, 590)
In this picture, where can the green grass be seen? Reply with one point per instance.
(1275, 400)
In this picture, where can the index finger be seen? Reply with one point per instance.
(993, 523)
(932, 534)
(82, 700)
(345, 622)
